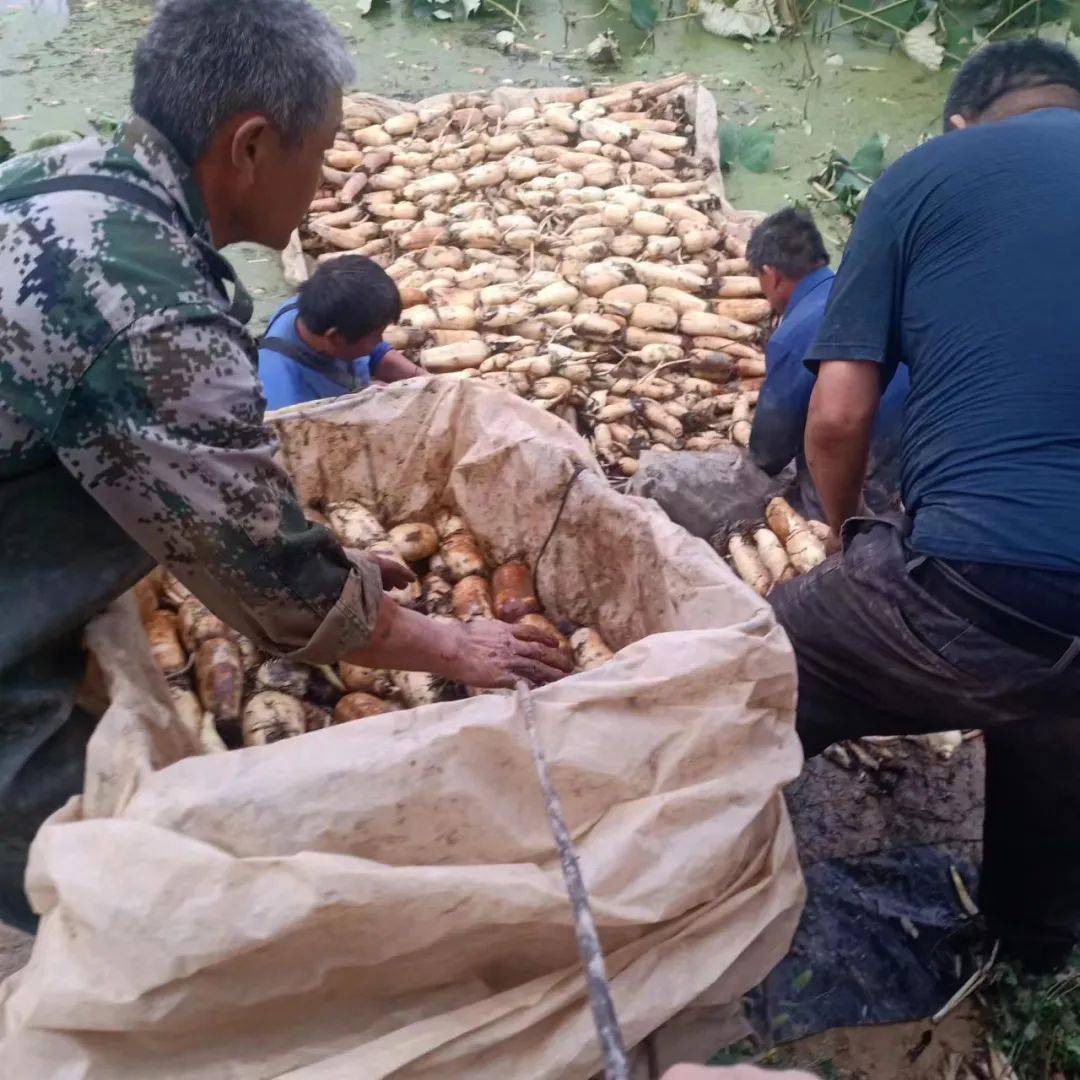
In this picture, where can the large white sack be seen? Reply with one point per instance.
(384, 898)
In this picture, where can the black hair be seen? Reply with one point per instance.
(789, 242)
(352, 294)
(1003, 66)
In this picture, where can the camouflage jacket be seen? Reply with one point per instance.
(131, 420)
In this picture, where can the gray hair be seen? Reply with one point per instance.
(204, 61)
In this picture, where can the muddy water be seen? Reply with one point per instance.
(64, 63)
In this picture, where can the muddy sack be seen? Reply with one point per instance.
(384, 898)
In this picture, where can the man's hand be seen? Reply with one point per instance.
(395, 366)
(495, 655)
(395, 575)
(484, 653)
(732, 1072)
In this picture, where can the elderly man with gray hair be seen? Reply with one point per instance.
(131, 415)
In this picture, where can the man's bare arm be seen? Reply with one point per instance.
(395, 366)
(842, 410)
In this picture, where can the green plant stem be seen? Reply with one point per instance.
(595, 15)
(871, 17)
(1012, 15)
(512, 15)
(865, 15)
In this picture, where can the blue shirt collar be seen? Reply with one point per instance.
(807, 286)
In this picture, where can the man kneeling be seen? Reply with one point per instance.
(966, 614)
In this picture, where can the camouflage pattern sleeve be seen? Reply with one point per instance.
(164, 429)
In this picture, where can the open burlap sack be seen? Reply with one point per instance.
(384, 898)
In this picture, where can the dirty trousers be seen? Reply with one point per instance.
(877, 654)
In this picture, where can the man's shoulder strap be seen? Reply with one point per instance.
(111, 186)
(339, 372)
(125, 191)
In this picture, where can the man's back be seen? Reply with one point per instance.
(965, 261)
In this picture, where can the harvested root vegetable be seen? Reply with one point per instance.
(198, 722)
(355, 525)
(315, 716)
(748, 311)
(163, 633)
(804, 549)
(414, 541)
(146, 596)
(623, 299)
(679, 300)
(515, 596)
(705, 324)
(748, 564)
(271, 716)
(741, 426)
(172, 589)
(472, 599)
(596, 327)
(590, 649)
(446, 359)
(654, 317)
(649, 224)
(462, 556)
(284, 676)
(546, 626)
(417, 688)
(731, 287)
(219, 679)
(359, 706)
(198, 623)
(820, 530)
(437, 594)
(773, 556)
(370, 680)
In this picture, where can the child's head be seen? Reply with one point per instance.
(349, 302)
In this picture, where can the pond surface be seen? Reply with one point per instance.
(64, 63)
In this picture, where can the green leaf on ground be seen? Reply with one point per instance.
(643, 14)
(106, 126)
(802, 980)
(869, 159)
(6, 149)
(750, 147)
(848, 180)
(54, 138)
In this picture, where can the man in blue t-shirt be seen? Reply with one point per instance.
(788, 255)
(328, 341)
(965, 262)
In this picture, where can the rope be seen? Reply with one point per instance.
(589, 948)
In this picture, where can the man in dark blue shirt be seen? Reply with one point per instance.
(788, 255)
(968, 614)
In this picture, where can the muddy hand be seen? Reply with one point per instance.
(395, 575)
(731, 1072)
(495, 655)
